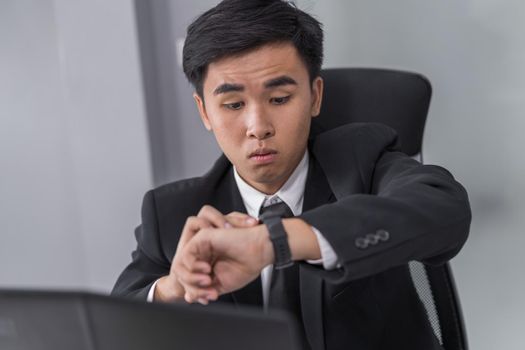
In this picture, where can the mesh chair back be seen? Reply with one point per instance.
(401, 101)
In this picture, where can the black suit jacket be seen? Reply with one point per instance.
(377, 207)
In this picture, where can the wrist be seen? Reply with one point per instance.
(265, 245)
(168, 290)
(302, 240)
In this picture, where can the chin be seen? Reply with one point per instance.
(270, 179)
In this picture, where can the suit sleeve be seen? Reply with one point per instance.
(410, 212)
(148, 261)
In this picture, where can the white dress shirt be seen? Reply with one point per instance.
(292, 193)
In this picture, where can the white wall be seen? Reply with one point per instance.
(474, 54)
(74, 157)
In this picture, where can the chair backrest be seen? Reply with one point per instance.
(401, 101)
(397, 99)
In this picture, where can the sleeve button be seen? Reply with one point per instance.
(372, 238)
(383, 235)
(361, 243)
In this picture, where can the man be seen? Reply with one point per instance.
(345, 206)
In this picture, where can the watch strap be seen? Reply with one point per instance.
(279, 239)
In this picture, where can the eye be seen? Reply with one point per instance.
(279, 100)
(234, 106)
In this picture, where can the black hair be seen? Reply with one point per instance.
(236, 26)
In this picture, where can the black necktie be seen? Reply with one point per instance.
(277, 209)
(284, 287)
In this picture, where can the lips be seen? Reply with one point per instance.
(262, 152)
(263, 156)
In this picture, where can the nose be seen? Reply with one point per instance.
(259, 124)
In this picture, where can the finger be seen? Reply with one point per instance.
(237, 214)
(197, 255)
(197, 274)
(190, 271)
(203, 301)
(191, 227)
(195, 224)
(196, 285)
(213, 216)
(196, 292)
(192, 296)
(237, 219)
(201, 266)
(194, 279)
(189, 298)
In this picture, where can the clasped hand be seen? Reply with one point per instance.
(216, 254)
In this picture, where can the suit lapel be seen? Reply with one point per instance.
(317, 190)
(343, 175)
(317, 193)
(227, 198)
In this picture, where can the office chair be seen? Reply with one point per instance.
(401, 101)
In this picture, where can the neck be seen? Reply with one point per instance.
(268, 188)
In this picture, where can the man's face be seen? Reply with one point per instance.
(259, 106)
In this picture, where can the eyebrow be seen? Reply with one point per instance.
(227, 87)
(279, 81)
(272, 83)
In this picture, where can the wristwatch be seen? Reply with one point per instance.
(279, 238)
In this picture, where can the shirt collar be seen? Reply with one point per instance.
(292, 192)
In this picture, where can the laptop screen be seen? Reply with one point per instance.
(31, 320)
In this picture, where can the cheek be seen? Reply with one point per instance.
(299, 122)
(228, 132)
(219, 122)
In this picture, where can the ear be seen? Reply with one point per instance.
(202, 111)
(317, 96)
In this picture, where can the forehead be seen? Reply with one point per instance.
(257, 66)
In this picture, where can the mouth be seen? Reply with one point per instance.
(263, 155)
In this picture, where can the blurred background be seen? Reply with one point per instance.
(95, 110)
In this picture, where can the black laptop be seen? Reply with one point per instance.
(39, 320)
